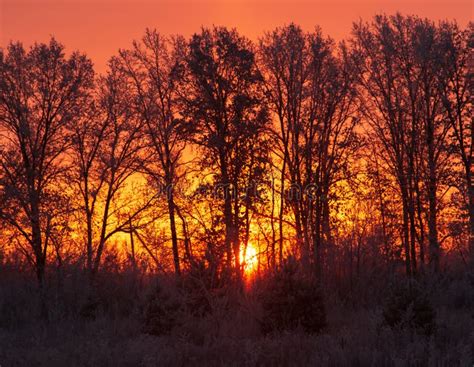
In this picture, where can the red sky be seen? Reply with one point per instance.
(101, 27)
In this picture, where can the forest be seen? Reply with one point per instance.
(219, 201)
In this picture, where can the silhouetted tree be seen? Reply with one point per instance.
(420, 73)
(400, 67)
(455, 81)
(384, 106)
(42, 94)
(153, 67)
(224, 105)
(105, 152)
(310, 89)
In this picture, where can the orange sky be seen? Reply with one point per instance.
(101, 27)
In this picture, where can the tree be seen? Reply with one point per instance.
(224, 105)
(455, 82)
(421, 67)
(42, 93)
(382, 100)
(399, 68)
(310, 90)
(153, 68)
(284, 60)
(105, 153)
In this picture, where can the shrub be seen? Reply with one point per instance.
(203, 289)
(292, 299)
(408, 307)
(460, 293)
(161, 311)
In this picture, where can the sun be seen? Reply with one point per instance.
(250, 258)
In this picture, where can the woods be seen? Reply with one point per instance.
(286, 122)
(230, 168)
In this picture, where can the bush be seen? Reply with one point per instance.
(408, 307)
(162, 311)
(460, 293)
(197, 285)
(292, 299)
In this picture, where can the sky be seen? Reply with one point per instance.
(101, 27)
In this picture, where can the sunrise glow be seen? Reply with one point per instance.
(250, 259)
(236, 183)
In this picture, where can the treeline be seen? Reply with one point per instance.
(348, 157)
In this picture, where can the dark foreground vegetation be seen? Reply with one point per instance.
(215, 201)
(279, 320)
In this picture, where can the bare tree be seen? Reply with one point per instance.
(310, 89)
(153, 67)
(420, 65)
(383, 108)
(399, 69)
(455, 81)
(42, 93)
(284, 59)
(105, 153)
(224, 105)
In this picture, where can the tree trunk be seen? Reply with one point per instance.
(317, 235)
(40, 259)
(406, 233)
(228, 220)
(272, 223)
(132, 246)
(37, 243)
(432, 200)
(89, 243)
(102, 238)
(187, 241)
(411, 206)
(174, 237)
(421, 238)
(432, 227)
(326, 225)
(280, 215)
(300, 242)
(471, 218)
